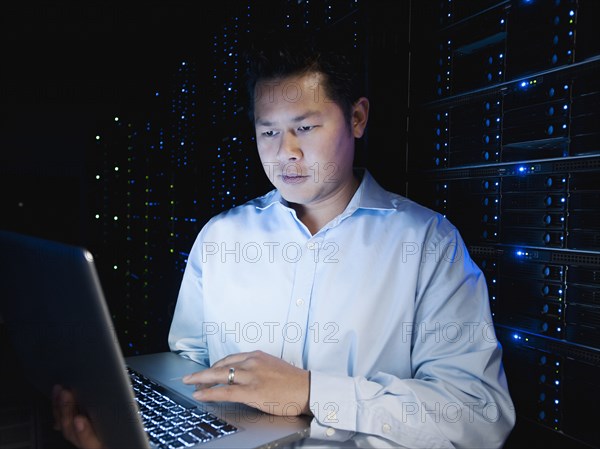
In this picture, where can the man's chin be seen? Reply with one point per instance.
(293, 196)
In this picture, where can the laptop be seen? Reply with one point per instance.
(54, 310)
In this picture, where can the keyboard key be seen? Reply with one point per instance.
(201, 436)
(171, 421)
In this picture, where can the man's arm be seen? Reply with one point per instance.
(185, 335)
(458, 394)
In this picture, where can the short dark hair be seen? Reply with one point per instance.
(279, 54)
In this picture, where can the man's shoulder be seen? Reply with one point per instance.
(404, 206)
(376, 196)
(411, 214)
(244, 211)
(399, 211)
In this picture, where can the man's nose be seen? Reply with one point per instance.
(289, 148)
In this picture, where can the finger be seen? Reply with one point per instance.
(67, 413)
(201, 377)
(208, 377)
(85, 436)
(213, 376)
(204, 386)
(232, 359)
(222, 393)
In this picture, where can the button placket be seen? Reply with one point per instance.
(297, 320)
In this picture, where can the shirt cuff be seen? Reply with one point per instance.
(333, 404)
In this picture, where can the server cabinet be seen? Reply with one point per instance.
(504, 140)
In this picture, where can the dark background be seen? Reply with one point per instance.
(67, 67)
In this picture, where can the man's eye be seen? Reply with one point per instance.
(305, 128)
(268, 133)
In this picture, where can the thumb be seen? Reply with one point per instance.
(85, 435)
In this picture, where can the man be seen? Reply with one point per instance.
(330, 296)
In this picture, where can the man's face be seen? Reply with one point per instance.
(304, 142)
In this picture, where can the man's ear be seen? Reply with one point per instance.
(360, 116)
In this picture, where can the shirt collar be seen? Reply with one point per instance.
(369, 195)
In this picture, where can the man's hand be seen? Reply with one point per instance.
(75, 427)
(260, 380)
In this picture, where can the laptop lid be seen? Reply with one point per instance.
(61, 329)
(53, 308)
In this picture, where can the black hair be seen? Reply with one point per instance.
(279, 54)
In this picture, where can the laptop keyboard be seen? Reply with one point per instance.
(171, 424)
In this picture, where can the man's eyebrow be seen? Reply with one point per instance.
(299, 118)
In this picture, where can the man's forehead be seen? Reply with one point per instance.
(298, 117)
(291, 91)
(310, 77)
(291, 86)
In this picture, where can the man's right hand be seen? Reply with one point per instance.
(75, 427)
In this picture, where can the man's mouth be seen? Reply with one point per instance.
(293, 179)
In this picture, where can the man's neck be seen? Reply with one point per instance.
(314, 217)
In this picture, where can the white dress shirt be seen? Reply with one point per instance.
(383, 305)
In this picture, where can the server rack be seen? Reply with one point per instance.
(157, 174)
(503, 140)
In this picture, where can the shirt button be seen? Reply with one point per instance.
(330, 432)
(299, 302)
(310, 245)
(386, 428)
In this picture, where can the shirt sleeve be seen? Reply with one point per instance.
(457, 395)
(187, 333)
